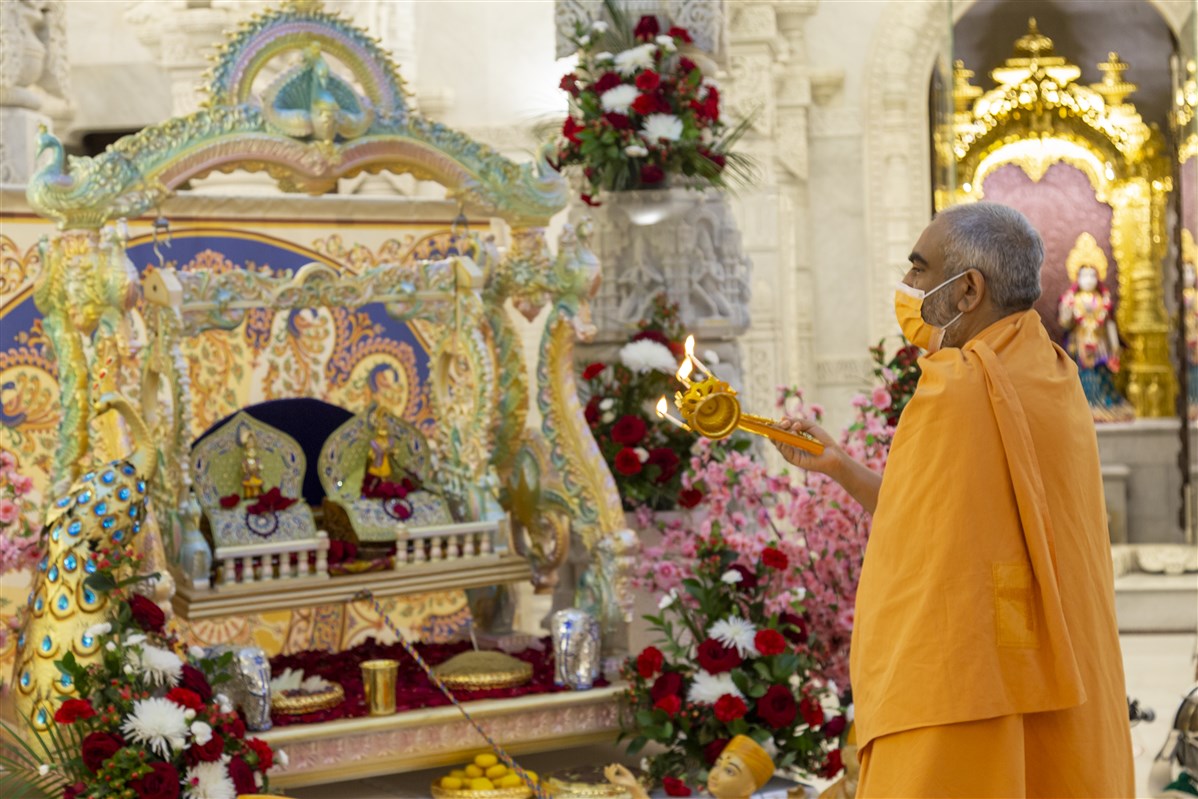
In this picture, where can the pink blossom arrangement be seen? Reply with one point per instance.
(18, 539)
(642, 110)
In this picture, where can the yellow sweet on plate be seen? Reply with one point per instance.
(481, 784)
(453, 783)
(509, 781)
(457, 772)
(496, 771)
(532, 775)
(473, 771)
(485, 760)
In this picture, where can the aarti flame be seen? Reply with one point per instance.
(662, 413)
(684, 371)
(691, 358)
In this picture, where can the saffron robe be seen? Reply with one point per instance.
(987, 591)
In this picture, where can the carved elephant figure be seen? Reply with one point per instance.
(249, 689)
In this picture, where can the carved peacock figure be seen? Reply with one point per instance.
(105, 506)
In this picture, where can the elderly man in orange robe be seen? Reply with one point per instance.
(985, 655)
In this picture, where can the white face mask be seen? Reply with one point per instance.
(908, 309)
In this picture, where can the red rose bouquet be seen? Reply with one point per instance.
(729, 667)
(646, 457)
(144, 723)
(641, 110)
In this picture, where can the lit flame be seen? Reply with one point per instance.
(690, 347)
(661, 407)
(684, 370)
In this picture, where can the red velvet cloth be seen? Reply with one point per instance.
(413, 688)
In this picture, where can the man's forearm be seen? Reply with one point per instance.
(859, 480)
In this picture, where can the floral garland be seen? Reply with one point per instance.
(149, 723)
(645, 456)
(644, 112)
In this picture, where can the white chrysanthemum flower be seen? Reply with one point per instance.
(209, 781)
(667, 600)
(731, 577)
(642, 454)
(636, 151)
(647, 355)
(708, 688)
(96, 630)
(667, 43)
(635, 58)
(604, 56)
(201, 732)
(158, 666)
(599, 26)
(137, 639)
(662, 126)
(157, 723)
(619, 98)
(735, 632)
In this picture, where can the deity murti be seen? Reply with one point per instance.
(741, 769)
(379, 465)
(1092, 340)
(251, 467)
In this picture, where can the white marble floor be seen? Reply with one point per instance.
(1160, 671)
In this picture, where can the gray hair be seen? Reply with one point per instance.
(999, 242)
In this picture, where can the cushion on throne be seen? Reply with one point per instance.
(373, 469)
(248, 479)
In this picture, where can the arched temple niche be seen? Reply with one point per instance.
(908, 40)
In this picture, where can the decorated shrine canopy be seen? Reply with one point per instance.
(342, 110)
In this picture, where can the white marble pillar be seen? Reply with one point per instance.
(34, 80)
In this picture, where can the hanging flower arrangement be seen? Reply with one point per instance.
(642, 111)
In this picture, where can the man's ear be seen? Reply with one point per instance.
(975, 291)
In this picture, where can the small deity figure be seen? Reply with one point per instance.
(1085, 312)
(1189, 309)
(741, 769)
(251, 467)
(379, 465)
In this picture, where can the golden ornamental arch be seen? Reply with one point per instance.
(1038, 115)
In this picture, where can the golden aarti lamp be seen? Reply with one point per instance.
(711, 409)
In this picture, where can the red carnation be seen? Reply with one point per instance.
(665, 459)
(618, 121)
(672, 705)
(186, 698)
(686, 66)
(713, 750)
(162, 783)
(608, 80)
(774, 558)
(591, 411)
(649, 662)
(730, 708)
(689, 497)
(648, 80)
(719, 160)
(646, 29)
(74, 791)
(570, 128)
(644, 104)
(266, 755)
(835, 726)
(668, 684)
(242, 776)
(769, 642)
(777, 707)
(832, 765)
(674, 787)
(629, 430)
(680, 33)
(813, 712)
(74, 709)
(194, 680)
(715, 658)
(569, 83)
(592, 370)
(627, 463)
(234, 727)
(208, 753)
(652, 173)
(793, 627)
(586, 198)
(97, 747)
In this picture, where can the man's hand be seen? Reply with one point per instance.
(826, 462)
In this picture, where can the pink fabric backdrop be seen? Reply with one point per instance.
(1061, 206)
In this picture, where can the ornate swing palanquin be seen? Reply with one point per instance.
(337, 112)
(1042, 142)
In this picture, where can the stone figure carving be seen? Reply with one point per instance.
(34, 72)
(249, 688)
